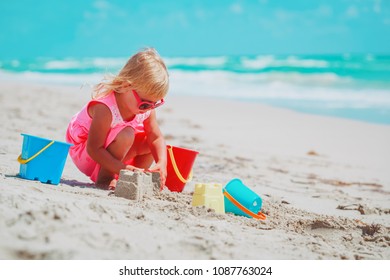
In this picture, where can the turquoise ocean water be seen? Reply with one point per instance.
(347, 86)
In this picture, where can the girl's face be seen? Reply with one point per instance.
(138, 103)
(147, 104)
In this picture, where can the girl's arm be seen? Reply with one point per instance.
(157, 145)
(100, 127)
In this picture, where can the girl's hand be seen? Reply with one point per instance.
(162, 168)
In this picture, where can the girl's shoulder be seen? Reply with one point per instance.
(100, 105)
(106, 99)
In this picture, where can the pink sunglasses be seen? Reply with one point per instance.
(146, 105)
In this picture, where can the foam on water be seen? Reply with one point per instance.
(52, 78)
(352, 86)
(263, 62)
(269, 87)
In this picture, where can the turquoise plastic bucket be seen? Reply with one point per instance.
(235, 194)
(42, 159)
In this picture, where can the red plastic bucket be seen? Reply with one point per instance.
(179, 167)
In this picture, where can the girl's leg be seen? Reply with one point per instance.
(140, 152)
(118, 148)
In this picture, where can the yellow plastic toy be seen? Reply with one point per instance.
(209, 195)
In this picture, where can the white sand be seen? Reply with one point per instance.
(331, 203)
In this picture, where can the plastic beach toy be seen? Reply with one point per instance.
(209, 195)
(42, 159)
(241, 200)
(179, 167)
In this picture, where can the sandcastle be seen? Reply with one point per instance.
(134, 185)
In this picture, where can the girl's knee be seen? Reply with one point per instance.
(139, 147)
(122, 143)
(126, 137)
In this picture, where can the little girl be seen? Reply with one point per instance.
(118, 129)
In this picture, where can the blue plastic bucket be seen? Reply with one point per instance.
(42, 159)
(241, 200)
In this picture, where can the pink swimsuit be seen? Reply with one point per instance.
(77, 133)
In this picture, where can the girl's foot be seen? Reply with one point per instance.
(112, 184)
(106, 185)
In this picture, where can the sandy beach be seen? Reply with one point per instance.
(325, 185)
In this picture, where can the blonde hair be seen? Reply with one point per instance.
(145, 71)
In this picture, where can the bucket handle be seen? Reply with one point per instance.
(174, 165)
(259, 216)
(24, 161)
